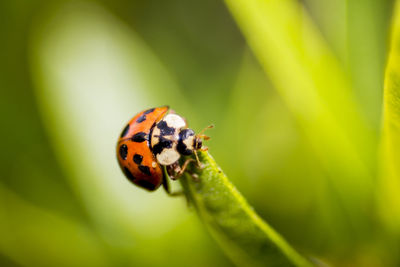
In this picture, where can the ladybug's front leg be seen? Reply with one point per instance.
(175, 170)
(172, 170)
(178, 170)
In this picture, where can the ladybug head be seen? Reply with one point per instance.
(198, 143)
(189, 142)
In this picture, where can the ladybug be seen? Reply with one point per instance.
(153, 139)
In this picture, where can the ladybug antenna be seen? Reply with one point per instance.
(201, 135)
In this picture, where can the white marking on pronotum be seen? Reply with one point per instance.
(168, 156)
(174, 121)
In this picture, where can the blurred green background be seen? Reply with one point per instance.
(74, 72)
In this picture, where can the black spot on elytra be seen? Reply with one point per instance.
(137, 159)
(145, 170)
(128, 174)
(141, 119)
(149, 111)
(125, 131)
(163, 143)
(146, 184)
(139, 137)
(181, 147)
(164, 129)
(123, 151)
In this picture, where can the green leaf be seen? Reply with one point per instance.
(315, 87)
(241, 233)
(33, 236)
(367, 33)
(390, 195)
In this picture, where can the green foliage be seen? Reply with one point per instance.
(390, 197)
(243, 235)
(294, 90)
(310, 80)
(39, 241)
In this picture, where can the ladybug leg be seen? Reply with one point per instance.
(175, 171)
(172, 170)
(199, 165)
(195, 177)
(180, 170)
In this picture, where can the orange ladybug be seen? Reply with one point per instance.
(152, 139)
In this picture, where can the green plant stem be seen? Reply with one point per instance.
(242, 234)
